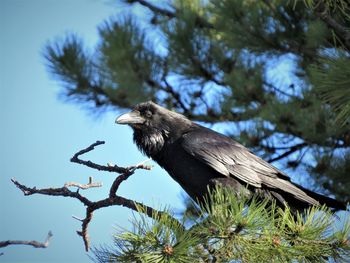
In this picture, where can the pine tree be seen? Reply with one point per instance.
(215, 61)
(220, 62)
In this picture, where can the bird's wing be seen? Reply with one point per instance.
(233, 159)
(221, 156)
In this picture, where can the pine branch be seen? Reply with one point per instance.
(274, 88)
(176, 95)
(342, 31)
(221, 42)
(232, 227)
(199, 21)
(153, 8)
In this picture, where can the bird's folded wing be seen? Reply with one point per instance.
(222, 155)
(230, 158)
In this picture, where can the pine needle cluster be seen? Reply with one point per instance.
(231, 228)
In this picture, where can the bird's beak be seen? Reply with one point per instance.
(132, 117)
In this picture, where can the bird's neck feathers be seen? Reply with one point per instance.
(149, 142)
(152, 140)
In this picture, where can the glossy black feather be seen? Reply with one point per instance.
(197, 157)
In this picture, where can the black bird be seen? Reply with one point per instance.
(197, 157)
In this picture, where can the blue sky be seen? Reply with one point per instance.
(39, 134)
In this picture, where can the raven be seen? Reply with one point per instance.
(199, 158)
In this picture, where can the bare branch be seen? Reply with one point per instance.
(289, 152)
(83, 186)
(92, 206)
(108, 168)
(112, 200)
(154, 8)
(75, 159)
(84, 228)
(125, 176)
(78, 218)
(141, 165)
(63, 191)
(33, 243)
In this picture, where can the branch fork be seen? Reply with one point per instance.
(112, 200)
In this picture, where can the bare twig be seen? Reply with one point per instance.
(169, 89)
(292, 149)
(84, 228)
(112, 200)
(92, 206)
(108, 168)
(141, 165)
(78, 218)
(75, 159)
(33, 243)
(83, 186)
(125, 176)
(273, 87)
(63, 191)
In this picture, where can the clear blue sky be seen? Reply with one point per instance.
(39, 134)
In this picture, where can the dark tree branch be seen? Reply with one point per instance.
(115, 168)
(207, 75)
(289, 152)
(63, 191)
(170, 90)
(33, 243)
(84, 228)
(154, 8)
(199, 20)
(274, 88)
(342, 31)
(112, 200)
(123, 177)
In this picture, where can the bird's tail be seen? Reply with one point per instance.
(324, 200)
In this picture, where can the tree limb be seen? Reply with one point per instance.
(112, 200)
(199, 20)
(170, 90)
(63, 191)
(154, 8)
(83, 186)
(342, 31)
(108, 168)
(289, 152)
(33, 243)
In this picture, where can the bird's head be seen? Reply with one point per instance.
(154, 125)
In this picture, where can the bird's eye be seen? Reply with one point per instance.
(148, 114)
